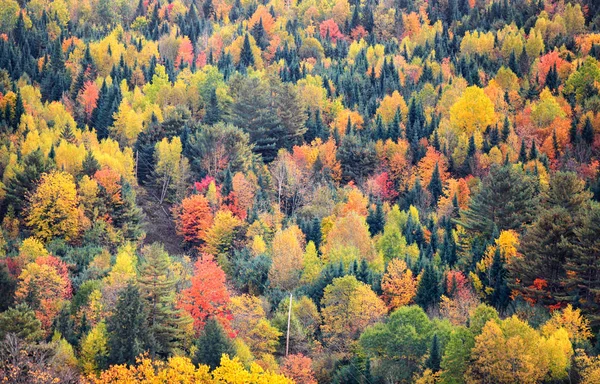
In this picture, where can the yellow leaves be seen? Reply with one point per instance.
(287, 258)
(53, 208)
(168, 155)
(577, 326)
(123, 271)
(93, 348)
(398, 284)
(311, 264)
(389, 105)
(546, 110)
(559, 351)
(477, 43)
(232, 371)
(109, 154)
(355, 202)
(176, 369)
(473, 111)
(235, 50)
(127, 125)
(348, 235)
(507, 79)
(341, 121)
(69, 157)
(31, 248)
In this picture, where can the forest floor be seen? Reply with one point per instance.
(158, 223)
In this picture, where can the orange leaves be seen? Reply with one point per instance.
(193, 218)
(110, 181)
(88, 98)
(262, 13)
(398, 284)
(208, 296)
(185, 52)
(341, 121)
(298, 368)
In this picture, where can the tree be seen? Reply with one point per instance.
(457, 355)
(497, 275)
(166, 323)
(287, 258)
(435, 186)
(400, 344)
(473, 112)
(506, 199)
(214, 148)
(94, 350)
(434, 359)
(21, 321)
(212, 344)
(398, 285)
(193, 218)
(246, 55)
(9, 11)
(349, 306)
(208, 296)
(53, 208)
(298, 368)
(428, 288)
(127, 328)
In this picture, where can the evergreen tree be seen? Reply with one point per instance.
(157, 287)
(523, 152)
(435, 355)
(506, 199)
(428, 289)
(435, 186)
(376, 219)
(497, 279)
(533, 153)
(8, 286)
(587, 133)
(505, 129)
(127, 328)
(212, 344)
(213, 111)
(246, 55)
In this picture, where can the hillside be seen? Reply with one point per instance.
(300, 191)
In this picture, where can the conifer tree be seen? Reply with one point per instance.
(435, 186)
(246, 55)
(212, 344)
(428, 289)
(435, 355)
(127, 328)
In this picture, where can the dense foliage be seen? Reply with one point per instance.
(420, 177)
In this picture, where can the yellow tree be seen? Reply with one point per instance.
(54, 208)
(473, 111)
(286, 267)
(398, 284)
(349, 306)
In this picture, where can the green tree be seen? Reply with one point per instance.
(157, 286)
(127, 327)
(400, 344)
(212, 344)
(428, 290)
(457, 355)
(506, 198)
(21, 321)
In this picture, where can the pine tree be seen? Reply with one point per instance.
(127, 328)
(435, 186)
(376, 219)
(157, 287)
(505, 129)
(497, 278)
(506, 198)
(394, 129)
(90, 164)
(428, 290)
(246, 55)
(435, 355)
(212, 344)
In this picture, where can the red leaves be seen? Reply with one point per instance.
(330, 28)
(208, 296)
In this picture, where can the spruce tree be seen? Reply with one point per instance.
(435, 355)
(213, 111)
(246, 55)
(523, 152)
(497, 279)
(428, 289)
(587, 133)
(435, 186)
(158, 288)
(127, 328)
(212, 344)
(376, 219)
